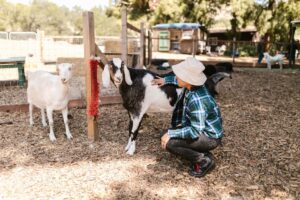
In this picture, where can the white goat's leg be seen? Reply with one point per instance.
(65, 116)
(280, 64)
(50, 120)
(30, 114)
(43, 117)
(269, 66)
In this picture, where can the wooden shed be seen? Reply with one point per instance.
(245, 34)
(181, 37)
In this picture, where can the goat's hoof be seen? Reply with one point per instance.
(130, 152)
(52, 138)
(131, 149)
(69, 136)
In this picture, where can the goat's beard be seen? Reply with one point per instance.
(117, 83)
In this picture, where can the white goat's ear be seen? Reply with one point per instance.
(106, 76)
(127, 76)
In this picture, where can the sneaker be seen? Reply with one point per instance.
(198, 171)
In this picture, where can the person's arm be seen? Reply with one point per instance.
(197, 120)
(166, 80)
(171, 80)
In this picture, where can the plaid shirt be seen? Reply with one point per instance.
(195, 112)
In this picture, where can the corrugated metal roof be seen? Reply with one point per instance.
(184, 26)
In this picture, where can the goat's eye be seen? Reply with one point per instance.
(69, 69)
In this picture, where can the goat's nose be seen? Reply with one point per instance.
(63, 79)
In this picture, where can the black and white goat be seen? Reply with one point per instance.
(219, 67)
(140, 95)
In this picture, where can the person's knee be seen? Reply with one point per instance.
(170, 145)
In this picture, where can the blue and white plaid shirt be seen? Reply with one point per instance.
(195, 113)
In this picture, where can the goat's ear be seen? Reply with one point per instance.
(106, 76)
(127, 76)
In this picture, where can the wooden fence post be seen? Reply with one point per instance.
(149, 47)
(40, 48)
(142, 46)
(89, 50)
(124, 48)
(193, 41)
(233, 49)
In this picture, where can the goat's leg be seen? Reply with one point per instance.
(50, 120)
(269, 65)
(43, 117)
(65, 116)
(280, 64)
(30, 114)
(136, 122)
(129, 130)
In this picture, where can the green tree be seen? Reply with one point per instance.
(272, 17)
(104, 25)
(4, 13)
(168, 11)
(49, 17)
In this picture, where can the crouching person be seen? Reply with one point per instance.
(196, 120)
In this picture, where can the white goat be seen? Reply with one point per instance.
(50, 92)
(274, 59)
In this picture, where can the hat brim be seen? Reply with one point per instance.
(190, 77)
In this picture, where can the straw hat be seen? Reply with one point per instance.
(191, 71)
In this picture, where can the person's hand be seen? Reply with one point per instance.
(164, 140)
(158, 81)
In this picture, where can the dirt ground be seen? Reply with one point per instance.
(259, 159)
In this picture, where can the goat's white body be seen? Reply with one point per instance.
(274, 59)
(155, 99)
(47, 91)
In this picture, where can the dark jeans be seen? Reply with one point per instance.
(194, 151)
(260, 58)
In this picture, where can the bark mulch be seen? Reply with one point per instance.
(259, 159)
